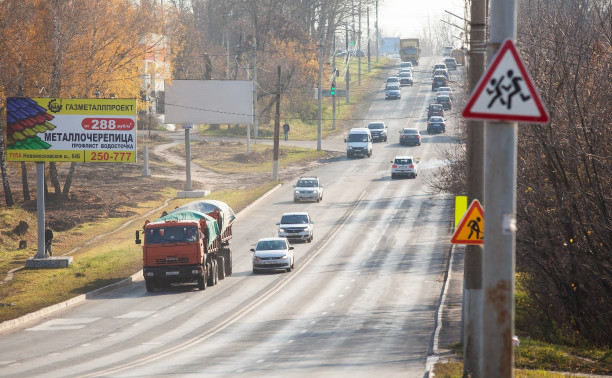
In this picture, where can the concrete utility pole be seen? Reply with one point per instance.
(472, 277)
(499, 219)
(347, 77)
(276, 128)
(359, 48)
(334, 80)
(255, 123)
(320, 94)
(377, 35)
(368, 17)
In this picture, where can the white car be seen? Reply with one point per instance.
(404, 166)
(446, 91)
(296, 226)
(308, 189)
(273, 254)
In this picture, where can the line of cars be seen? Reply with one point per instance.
(276, 253)
(394, 83)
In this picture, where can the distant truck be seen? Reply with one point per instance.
(189, 244)
(410, 50)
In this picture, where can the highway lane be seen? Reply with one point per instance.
(361, 300)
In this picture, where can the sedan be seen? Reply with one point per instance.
(393, 92)
(405, 78)
(436, 125)
(410, 136)
(273, 254)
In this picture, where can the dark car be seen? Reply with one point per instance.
(438, 81)
(410, 136)
(435, 110)
(436, 124)
(378, 130)
(445, 101)
(405, 78)
(393, 92)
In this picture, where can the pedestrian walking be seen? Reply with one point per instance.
(286, 129)
(48, 242)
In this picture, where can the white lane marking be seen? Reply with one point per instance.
(135, 324)
(63, 324)
(135, 315)
(290, 341)
(260, 361)
(276, 351)
(313, 322)
(324, 313)
(332, 304)
(304, 331)
(85, 345)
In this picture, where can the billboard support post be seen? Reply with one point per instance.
(40, 208)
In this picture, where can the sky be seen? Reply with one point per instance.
(407, 18)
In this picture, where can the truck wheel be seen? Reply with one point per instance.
(211, 273)
(150, 284)
(201, 283)
(221, 264)
(228, 262)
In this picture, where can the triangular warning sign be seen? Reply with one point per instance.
(506, 91)
(471, 227)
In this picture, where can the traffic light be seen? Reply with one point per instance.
(332, 91)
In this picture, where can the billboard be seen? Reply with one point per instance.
(390, 45)
(209, 101)
(74, 130)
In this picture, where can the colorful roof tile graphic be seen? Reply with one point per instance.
(25, 119)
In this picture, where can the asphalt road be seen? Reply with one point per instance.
(361, 301)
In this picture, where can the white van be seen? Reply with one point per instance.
(359, 142)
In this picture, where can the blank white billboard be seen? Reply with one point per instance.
(209, 101)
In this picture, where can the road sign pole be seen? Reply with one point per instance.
(472, 277)
(499, 244)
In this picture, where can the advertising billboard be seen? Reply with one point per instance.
(209, 101)
(74, 130)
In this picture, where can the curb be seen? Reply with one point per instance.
(13, 323)
(433, 358)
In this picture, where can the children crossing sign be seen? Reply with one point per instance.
(471, 227)
(506, 91)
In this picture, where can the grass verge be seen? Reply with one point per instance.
(232, 158)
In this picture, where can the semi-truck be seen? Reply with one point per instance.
(188, 244)
(410, 50)
(459, 56)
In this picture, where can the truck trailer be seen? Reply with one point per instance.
(189, 244)
(410, 50)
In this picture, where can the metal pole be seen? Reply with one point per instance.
(40, 209)
(472, 277)
(188, 158)
(277, 128)
(320, 94)
(499, 220)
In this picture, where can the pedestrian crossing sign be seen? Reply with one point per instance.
(471, 226)
(506, 91)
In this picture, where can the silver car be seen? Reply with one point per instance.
(404, 166)
(308, 189)
(296, 226)
(273, 254)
